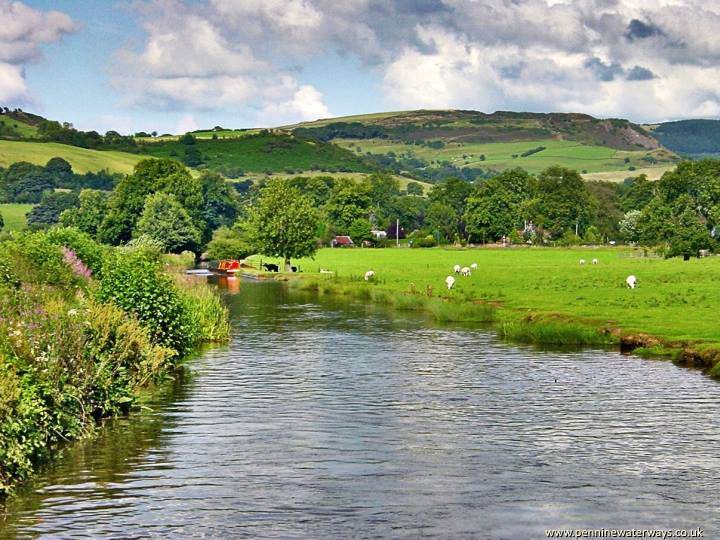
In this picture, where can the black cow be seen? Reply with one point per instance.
(271, 267)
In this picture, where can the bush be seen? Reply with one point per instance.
(133, 282)
(37, 260)
(87, 250)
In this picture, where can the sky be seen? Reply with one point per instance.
(178, 65)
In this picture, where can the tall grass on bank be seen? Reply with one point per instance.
(552, 332)
(117, 323)
(448, 311)
(209, 315)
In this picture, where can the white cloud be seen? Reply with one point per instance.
(646, 59)
(22, 31)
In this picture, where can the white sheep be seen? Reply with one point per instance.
(449, 281)
(323, 271)
(631, 282)
(582, 261)
(594, 261)
(465, 271)
(369, 275)
(473, 266)
(456, 268)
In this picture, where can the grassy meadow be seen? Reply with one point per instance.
(674, 301)
(14, 216)
(499, 155)
(82, 159)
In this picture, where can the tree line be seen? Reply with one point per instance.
(162, 201)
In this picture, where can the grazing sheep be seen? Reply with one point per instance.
(369, 275)
(582, 261)
(473, 266)
(323, 271)
(449, 281)
(631, 282)
(465, 271)
(594, 261)
(456, 268)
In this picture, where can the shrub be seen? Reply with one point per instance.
(133, 282)
(37, 260)
(207, 312)
(87, 250)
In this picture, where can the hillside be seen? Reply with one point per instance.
(424, 145)
(82, 159)
(689, 137)
(434, 144)
(261, 152)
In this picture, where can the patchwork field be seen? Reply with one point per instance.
(500, 156)
(82, 159)
(14, 216)
(675, 300)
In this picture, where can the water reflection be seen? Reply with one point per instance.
(329, 419)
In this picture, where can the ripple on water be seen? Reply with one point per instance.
(325, 419)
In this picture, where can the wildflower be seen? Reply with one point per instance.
(74, 262)
(73, 312)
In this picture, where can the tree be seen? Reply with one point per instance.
(220, 202)
(60, 170)
(636, 193)
(25, 183)
(414, 188)
(564, 201)
(491, 214)
(360, 230)
(2, 222)
(629, 226)
(51, 206)
(283, 223)
(229, 243)
(453, 193)
(441, 217)
(689, 235)
(89, 215)
(164, 219)
(128, 199)
(348, 201)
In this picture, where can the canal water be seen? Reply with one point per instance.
(331, 419)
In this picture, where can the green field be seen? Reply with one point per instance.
(14, 216)
(675, 300)
(499, 156)
(82, 159)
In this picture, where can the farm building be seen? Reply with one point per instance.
(342, 241)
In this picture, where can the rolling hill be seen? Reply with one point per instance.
(689, 137)
(428, 143)
(424, 145)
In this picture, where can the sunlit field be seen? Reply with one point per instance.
(674, 299)
(14, 216)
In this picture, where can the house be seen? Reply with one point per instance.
(342, 241)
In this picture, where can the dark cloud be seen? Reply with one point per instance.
(602, 71)
(639, 73)
(638, 29)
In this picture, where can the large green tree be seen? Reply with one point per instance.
(348, 201)
(25, 183)
(563, 201)
(166, 221)
(51, 205)
(283, 223)
(89, 215)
